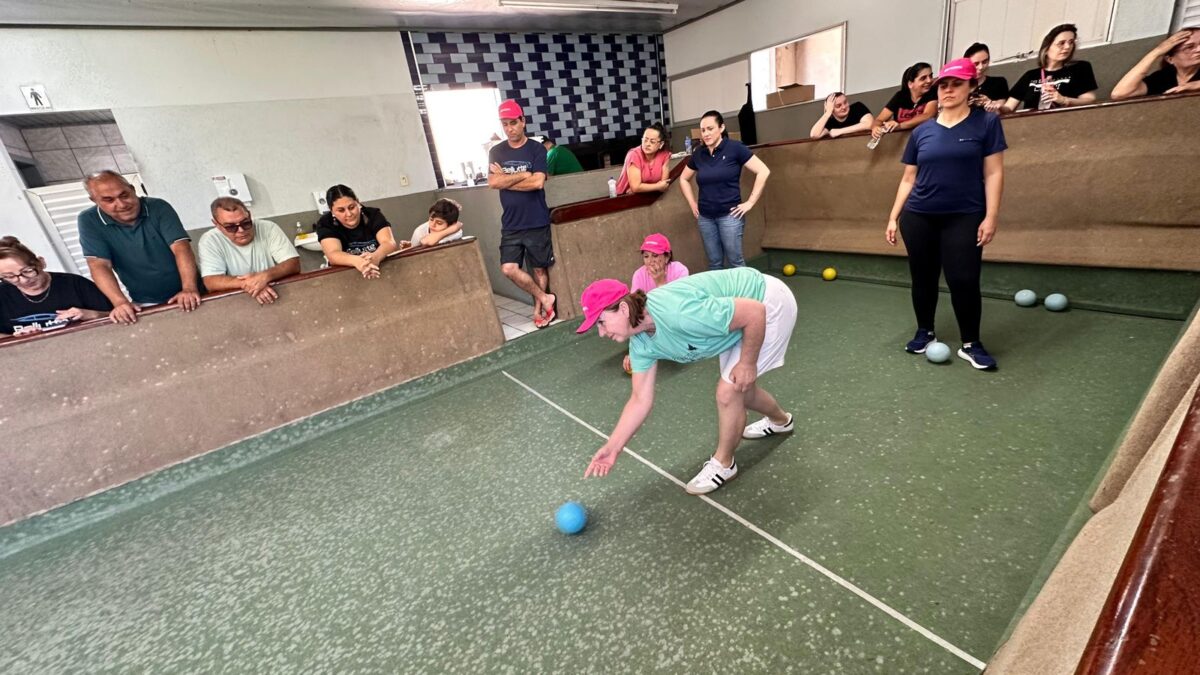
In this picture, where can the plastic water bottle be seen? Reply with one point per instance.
(612, 186)
(873, 142)
(687, 145)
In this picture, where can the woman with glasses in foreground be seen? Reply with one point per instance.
(33, 300)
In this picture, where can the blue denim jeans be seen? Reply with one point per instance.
(722, 238)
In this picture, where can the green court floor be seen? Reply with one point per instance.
(421, 539)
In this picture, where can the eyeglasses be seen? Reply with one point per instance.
(26, 273)
(245, 225)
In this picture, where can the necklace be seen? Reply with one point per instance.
(45, 294)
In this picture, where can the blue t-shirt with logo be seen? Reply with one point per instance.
(949, 163)
(692, 315)
(522, 210)
(719, 176)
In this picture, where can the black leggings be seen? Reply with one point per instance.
(937, 241)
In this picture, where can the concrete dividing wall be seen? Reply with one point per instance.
(175, 385)
(1107, 186)
(608, 246)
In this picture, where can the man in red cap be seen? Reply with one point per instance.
(518, 170)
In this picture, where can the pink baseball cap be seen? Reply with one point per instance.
(959, 69)
(511, 110)
(656, 243)
(597, 297)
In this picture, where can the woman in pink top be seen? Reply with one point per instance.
(659, 267)
(645, 167)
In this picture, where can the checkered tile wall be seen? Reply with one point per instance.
(574, 87)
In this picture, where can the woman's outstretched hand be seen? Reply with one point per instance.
(602, 461)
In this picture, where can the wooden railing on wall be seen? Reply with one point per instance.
(1151, 621)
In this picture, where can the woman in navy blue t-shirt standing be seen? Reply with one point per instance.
(946, 208)
(721, 213)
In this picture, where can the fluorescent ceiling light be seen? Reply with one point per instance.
(619, 6)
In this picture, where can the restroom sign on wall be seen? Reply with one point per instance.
(36, 98)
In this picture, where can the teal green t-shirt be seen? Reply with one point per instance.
(692, 315)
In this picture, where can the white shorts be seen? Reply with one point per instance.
(781, 319)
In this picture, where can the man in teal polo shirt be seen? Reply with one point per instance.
(142, 241)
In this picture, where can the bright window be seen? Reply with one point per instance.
(463, 122)
(813, 59)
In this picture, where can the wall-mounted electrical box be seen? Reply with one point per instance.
(319, 198)
(232, 185)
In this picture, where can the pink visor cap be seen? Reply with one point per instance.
(959, 69)
(599, 296)
(511, 110)
(656, 243)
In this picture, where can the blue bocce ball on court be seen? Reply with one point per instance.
(938, 352)
(1056, 302)
(570, 518)
(1026, 298)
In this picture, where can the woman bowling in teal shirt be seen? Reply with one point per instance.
(739, 315)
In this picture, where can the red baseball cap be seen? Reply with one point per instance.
(511, 110)
(599, 296)
(656, 243)
(959, 69)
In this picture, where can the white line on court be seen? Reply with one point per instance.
(879, 604)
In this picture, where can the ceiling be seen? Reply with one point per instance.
(450, 15)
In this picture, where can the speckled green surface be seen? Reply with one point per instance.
(420, 538)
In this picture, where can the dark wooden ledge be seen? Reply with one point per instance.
(1150, 621)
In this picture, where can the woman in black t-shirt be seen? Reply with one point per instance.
(913, 104)
(354, 235)
(842, 117)
(1059, 81)
(33, 300)
(989, 93)
(1178, 61)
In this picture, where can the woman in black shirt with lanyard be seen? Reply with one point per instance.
(991, 92)
(1060, 81)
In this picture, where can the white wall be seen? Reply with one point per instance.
(1134, 19)
(882, 38)
(294, 111)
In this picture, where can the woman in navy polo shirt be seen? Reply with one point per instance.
(721, 213)
(946, 208)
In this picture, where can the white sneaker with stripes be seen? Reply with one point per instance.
(712, 476)
(765, 427)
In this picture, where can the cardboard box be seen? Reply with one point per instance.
(735, 135)
(696, 134)
(787, 64)
(797, 94)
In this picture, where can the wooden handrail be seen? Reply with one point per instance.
(600, 206)
(1149, 622)
(205, 299)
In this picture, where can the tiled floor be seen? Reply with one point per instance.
(516, 317)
